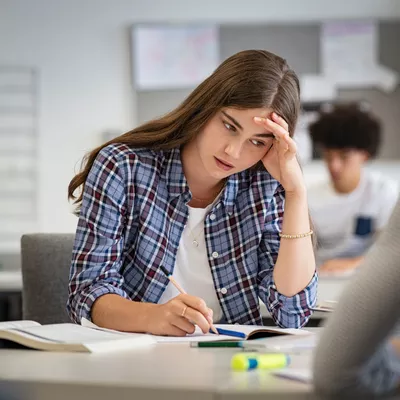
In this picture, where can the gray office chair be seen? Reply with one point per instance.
(45, 261)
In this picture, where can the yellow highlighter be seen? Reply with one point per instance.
(248, 361)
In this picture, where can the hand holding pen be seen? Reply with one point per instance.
(185, 311)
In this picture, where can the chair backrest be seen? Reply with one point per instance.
(45, 261)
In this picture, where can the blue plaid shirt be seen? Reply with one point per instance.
(131, 222)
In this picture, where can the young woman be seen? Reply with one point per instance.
(200, 192)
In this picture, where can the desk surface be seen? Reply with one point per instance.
(167, 371)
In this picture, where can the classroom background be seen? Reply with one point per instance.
(74, 74)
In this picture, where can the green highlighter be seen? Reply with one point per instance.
(248, 361)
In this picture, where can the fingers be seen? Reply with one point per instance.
(173, 330)
(195, 302)
(285, 144)
(184, 325)
(280, 121)
(172, 323)
(199, 319)
(277, 123)
(279, 128)
(197, 311)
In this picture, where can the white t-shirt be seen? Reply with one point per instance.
(192, 270)
(345, 224)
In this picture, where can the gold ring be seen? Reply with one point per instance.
(183, 312)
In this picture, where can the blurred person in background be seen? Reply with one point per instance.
(354, 205)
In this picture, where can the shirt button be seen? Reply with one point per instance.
(215, 254)
(224, 290)
(212, 217)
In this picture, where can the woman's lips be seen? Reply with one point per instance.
(223, 165)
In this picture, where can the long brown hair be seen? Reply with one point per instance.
(248, 79)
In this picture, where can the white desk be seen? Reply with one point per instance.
(162, 372)
(10, 281)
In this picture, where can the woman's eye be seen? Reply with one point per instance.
(229, 126)
(257, 143)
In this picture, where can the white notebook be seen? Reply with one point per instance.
(68, 337)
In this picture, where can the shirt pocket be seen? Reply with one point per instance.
(363, 226)
(361, 238)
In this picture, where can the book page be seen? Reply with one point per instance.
(18, 324)
(248, 329)
(69, 333)
(197, 336)
(89, 324)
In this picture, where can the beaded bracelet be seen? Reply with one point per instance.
(298, 236)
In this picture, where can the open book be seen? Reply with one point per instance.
(68, 337)
(251, 332)
(239, 333)
(92, 339)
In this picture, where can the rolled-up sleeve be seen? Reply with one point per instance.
(96, 257)
(287, 312)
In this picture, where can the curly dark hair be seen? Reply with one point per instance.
(347, 127)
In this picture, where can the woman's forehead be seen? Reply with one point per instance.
(248, 112)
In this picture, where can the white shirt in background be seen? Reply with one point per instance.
(192, 270)
(345, 224)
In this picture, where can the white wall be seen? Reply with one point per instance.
(81, 49)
